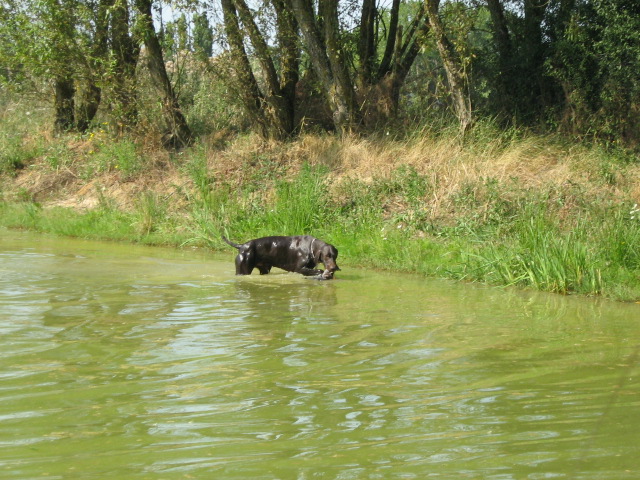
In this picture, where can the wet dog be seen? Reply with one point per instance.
(299, 254)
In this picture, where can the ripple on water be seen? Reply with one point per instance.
(140, 363)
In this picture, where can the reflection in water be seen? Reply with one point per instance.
(123, 362)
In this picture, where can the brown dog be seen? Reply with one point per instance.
(298, 254)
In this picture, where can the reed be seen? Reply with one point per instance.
(537, 254)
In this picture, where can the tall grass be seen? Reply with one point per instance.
(286, 207)
(300, 206)
(505, 208)
(537, 254)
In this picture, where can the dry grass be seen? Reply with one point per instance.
(449, 164)
(531, 163)
(481, 203)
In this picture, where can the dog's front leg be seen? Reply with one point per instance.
(264, 269)
(309, 272)
(243, 264)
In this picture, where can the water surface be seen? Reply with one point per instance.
(148, 363)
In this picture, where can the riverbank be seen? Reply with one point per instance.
(505, 208)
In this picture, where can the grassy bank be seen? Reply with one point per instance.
(505, 208)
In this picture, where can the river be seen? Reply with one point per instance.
(132, 362)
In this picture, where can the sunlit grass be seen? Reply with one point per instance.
(499, 207)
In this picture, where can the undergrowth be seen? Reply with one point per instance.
(517, 210)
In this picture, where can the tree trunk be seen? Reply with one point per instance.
(248, 90)
(178, 134)
(366, 43)
(346, 115)
(125, 54)
(279, 108)
(400, 53)
(535, 89)
(456, 76)
(375, 101)
(91, 95)
(506, 62)
(64, 91)
(379, 83)
(326, 59)
(287, 35)
(88, 105)
(393, 39)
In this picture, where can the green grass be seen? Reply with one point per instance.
(528, 247)
(462, 210)
(538, 255)
(525, 247)
(510, 245)
(114, 156)
(14, 155)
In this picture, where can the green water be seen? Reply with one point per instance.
(126, 362)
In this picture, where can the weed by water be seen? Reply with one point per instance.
(301, 206)
(101, 224)
(511, 209)
(620, 237)
(213, 204)
(150, 212)
(14, 155)
(115, 156)
(197, 169)
(537, 253)
(213, 214)
(562, 266)
(58, 155)
(288, 207)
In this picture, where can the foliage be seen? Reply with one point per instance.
(121, 156)
(538, 255)
(17, 151)
(568, 66)
(594, 60)
(569, 70)
(500, 207)
(13, 155)
(202, 36)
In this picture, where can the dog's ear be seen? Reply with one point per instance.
(316, 253)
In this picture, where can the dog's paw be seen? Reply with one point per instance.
(321, 276)
(327, 275)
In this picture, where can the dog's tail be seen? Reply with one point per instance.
(235, 245)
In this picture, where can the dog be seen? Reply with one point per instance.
(299, 254)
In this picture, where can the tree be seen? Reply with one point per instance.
(364, 91)
(456, 75)
(76, 46)
(503, 45)
(387, 51)
(269, 103)
(177, 133)
(41, 43)
(91, 91)
(202, 36)
(327, 58)
(124, 55)
(570, 64)
(536, 87)
(596, 59)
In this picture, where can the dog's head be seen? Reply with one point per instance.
(327, 255)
